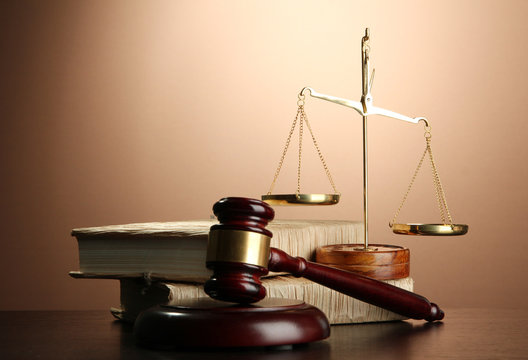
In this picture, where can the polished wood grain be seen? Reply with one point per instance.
(387, 262)
(363, 288)
(234, 281)
(484, 333)
(209, 323)
(239, 282)
(238, 213)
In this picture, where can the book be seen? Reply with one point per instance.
(138, 295)
(176, 251)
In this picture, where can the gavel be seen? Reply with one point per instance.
(239, 254)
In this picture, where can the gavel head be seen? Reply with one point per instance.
(238, 250)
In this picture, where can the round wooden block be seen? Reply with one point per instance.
(386, 262)
(210, 323)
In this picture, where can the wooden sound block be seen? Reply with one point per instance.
(382, 262)
(205, 322)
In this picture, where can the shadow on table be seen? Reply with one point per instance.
(374, 340)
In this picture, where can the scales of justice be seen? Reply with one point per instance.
(366, 254)
(237, 314)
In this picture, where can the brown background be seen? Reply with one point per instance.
(118, 112)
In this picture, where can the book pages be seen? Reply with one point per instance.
(339, 308)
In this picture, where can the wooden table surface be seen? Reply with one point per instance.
(464, 334)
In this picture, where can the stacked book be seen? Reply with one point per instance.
(162, 263)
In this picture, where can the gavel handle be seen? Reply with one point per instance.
(363, 288)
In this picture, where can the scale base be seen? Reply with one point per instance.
(205, 322)
(378, 261)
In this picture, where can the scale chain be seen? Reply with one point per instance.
(442, 202)
(320, 154)
(301, 130)
(440, 195)
(281, 161)
(409, 188)
(436, 184)
(302, 118)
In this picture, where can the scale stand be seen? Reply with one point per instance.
(366, 259)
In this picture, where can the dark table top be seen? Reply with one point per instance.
(464, 334)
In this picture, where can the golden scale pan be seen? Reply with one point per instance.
(430, 229)
(299, 198)
(364, 108)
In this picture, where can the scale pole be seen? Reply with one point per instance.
(365, 184)
(366, 99)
